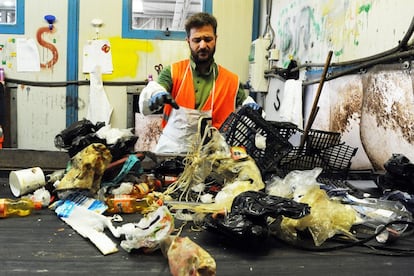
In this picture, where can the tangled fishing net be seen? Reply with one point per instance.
(210, 158)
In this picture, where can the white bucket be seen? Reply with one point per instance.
(25, 181)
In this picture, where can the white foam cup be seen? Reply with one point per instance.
(25, 181)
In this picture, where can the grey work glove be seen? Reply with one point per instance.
(158, 100)
(254, 106)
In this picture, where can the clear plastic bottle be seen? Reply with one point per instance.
(17, 207)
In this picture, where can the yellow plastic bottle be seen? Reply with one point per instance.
(17, 207)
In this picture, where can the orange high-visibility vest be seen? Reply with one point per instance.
(225, 92)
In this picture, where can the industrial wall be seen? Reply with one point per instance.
(371, 105)
(41, 110)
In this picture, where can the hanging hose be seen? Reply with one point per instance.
(268, 25)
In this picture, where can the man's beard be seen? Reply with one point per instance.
(204, 59)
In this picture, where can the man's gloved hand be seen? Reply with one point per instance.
(158, 100)
(254, 106)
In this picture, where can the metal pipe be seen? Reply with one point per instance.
(76, 82)
(393, 57)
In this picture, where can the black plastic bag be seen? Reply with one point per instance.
(78, 136)
(238, 227)
(122, 147)
(247, 220)
(81, 134)
(75, 131)
(252, 203)
(173, 166)
(399, 175)
(399, 165)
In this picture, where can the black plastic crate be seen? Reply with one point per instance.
(319, 139)
(335, 160)
(241, 128)
(285, 129)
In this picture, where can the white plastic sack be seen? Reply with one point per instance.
(99, 109)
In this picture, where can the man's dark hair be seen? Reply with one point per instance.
(199, 20)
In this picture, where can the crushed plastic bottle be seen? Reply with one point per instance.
(17, 207)
(140, 190)
(126, 203)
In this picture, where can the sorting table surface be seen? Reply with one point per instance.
(41, 243)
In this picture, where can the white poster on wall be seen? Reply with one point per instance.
(27, 55)
(97, 53)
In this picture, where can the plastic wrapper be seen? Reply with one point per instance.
(225, 197)
(249, 213)
(64, 206)
(185, 257)
(380, 211)
(228, 170)
(294, 184)
(149, 232)
(326, 219)
(405, 198)
(40, 195)
(222, 201)
(84, 214)
(375, 213)
(87, 168)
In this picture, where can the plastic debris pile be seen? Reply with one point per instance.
(239, 182)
